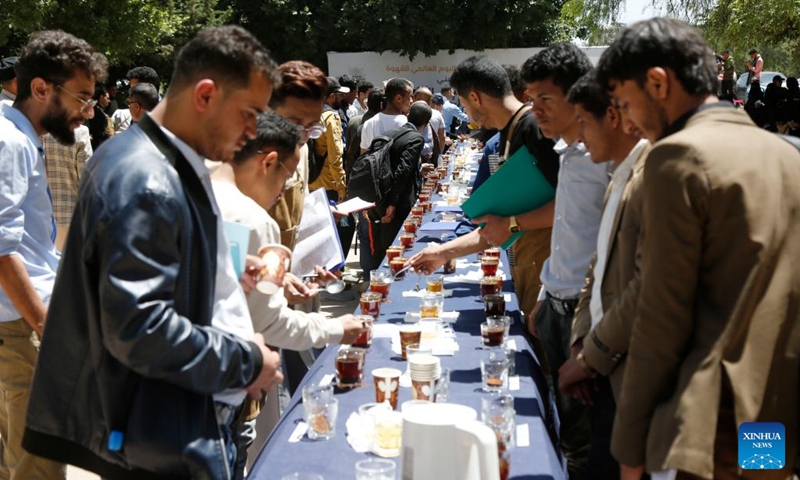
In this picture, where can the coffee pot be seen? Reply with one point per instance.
(445, 441)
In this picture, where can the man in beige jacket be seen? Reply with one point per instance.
(716, 337)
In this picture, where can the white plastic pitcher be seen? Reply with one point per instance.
(444, 441)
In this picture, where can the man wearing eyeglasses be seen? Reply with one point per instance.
(56, 74)
(143, 97)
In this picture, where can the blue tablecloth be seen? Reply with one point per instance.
(335, 459)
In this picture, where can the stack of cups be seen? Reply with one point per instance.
(424, 370)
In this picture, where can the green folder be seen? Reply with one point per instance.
(518, 186)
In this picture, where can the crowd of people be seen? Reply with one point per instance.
(661, 286)
(771, 105)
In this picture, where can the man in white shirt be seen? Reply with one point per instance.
(435, 128)
(245, 189)
(398, 102)
(143, 97)
(364, 89)
(611, 290)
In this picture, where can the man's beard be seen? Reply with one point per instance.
(57, 123)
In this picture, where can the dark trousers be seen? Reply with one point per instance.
(601, 463)
(554, 334)
(346, 233)
(726, 90)
(369, 236)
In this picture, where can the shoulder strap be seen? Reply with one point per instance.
(513, 127)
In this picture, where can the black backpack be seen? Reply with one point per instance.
(371, 176)
(315, 162)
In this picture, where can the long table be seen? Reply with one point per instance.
(534, 405)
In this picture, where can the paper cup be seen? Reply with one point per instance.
(277, 259)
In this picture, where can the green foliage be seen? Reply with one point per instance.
(125, 30)
(772, 27)
(307, 29)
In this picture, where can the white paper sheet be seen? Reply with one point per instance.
(354, 205)
(317, 240)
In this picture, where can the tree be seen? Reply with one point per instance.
(125, 30)
(773, 27)
(308, 29)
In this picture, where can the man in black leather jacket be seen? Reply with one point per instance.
(146, 359)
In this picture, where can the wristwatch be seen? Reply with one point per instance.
(512, 226)
(581, 359)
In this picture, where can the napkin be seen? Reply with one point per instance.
(414, 317)
(421, 293)
(359, 435)
(473, 276)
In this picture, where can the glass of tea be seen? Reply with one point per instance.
(493, 332)
(380, 282)
(435, 283)
(349, 367)
(396, 265)
(493, 252)
(442, 171)
(407, 240)
(371, 304)
(494, 373)
(394, 251)
(424, 197)
(365, 339)
(417, 219)
(430, 305)
(410, 226)
(426, 206)
(494, 305)
(491, 286)
(489, 265)
(503, 318)
(416, 210)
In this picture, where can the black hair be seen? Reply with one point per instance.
(480, 74)
(660, 42)
(397, 86)
(562, 63)
(420, 114)
(55, 56)
(99, 91)
(146, 94)
(590, 95)
(446, 89)
(226, 54)
(364, 86)
(376, 102)
(144, 75)
(272, 131)
(518, 86)
(349, 82)
(792, 85)
(752, 51)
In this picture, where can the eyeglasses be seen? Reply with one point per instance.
(132, 102)
(291, 174)
(87, 104)
(312, 132)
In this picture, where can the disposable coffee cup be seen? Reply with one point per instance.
(277, 260)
